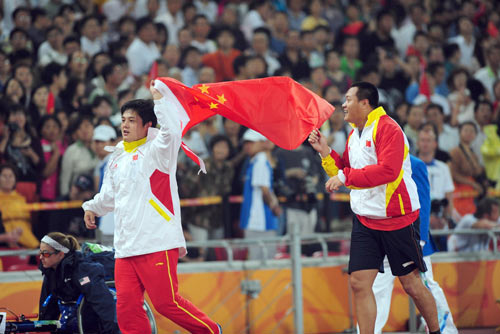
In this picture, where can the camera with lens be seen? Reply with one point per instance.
(438, 207)
(13, 127)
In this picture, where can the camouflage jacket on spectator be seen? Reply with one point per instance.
(217, 182)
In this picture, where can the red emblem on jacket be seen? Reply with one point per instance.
(135, 157)
(368, 143)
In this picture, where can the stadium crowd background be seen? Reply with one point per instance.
(66, 68)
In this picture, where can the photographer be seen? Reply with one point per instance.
(23, 149)
(71, 220)
(67, 274)
(302, 170)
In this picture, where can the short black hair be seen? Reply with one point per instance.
(21, 56)
(367, 91)
(45, 119)
(71, 39)
(37, 12)
(383, 13)
(187, 51)
(224, 28)
(218, 138)
(99, 99)
(471, 123)
(433, 67)
(126, 19)
(263, 30)
(74, 124)
(321, 27)
(199, 16)
(107, 70)
(18, 66)
(122, 93)
(415, 6)
(143, 108)
(366, 70)
(420, 33)
(238, 63)
(140, 23)
(186, 6)
(20, 9)
(17, 30)
(450, 49)
(433, 127)
(86, 19)
(480, 102)
(485, 206)
(50, 28)
(435, 106)
(11, 167)
(65, 7)
(49, 71)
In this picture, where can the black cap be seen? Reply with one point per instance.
(84, 182)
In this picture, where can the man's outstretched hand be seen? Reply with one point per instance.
(318, 142)
(156, 94)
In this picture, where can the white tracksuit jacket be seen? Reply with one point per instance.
(141, 188)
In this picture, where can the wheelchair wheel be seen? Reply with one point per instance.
(111, 287)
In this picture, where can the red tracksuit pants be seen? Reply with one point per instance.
(155, 273)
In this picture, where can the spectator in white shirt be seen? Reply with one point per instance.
(191, 60)
(260, 47)
(143, 51)
(207, 7)
(172, 19)
(461, 104)
(440, 180)
(486, 217)
(404, 35)
(201, 29)
(447, 135)
(91, 40)
(491, 72)
(52, 49)
(467, 43)
(114, 10)
(260, 11)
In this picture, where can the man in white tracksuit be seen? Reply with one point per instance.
(140, 187)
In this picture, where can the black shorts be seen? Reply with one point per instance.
(402, 247)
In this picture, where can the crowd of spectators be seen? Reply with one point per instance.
(67, 66)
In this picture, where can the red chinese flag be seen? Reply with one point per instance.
(278, 107)
(153, 73)
(51, 103)
(424, 88)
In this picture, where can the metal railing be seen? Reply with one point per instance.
(296, 262)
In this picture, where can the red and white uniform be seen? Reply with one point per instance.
(140, 187)
(376, 166)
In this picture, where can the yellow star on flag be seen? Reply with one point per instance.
(213, 105)
(204, 89)
(221, 98)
